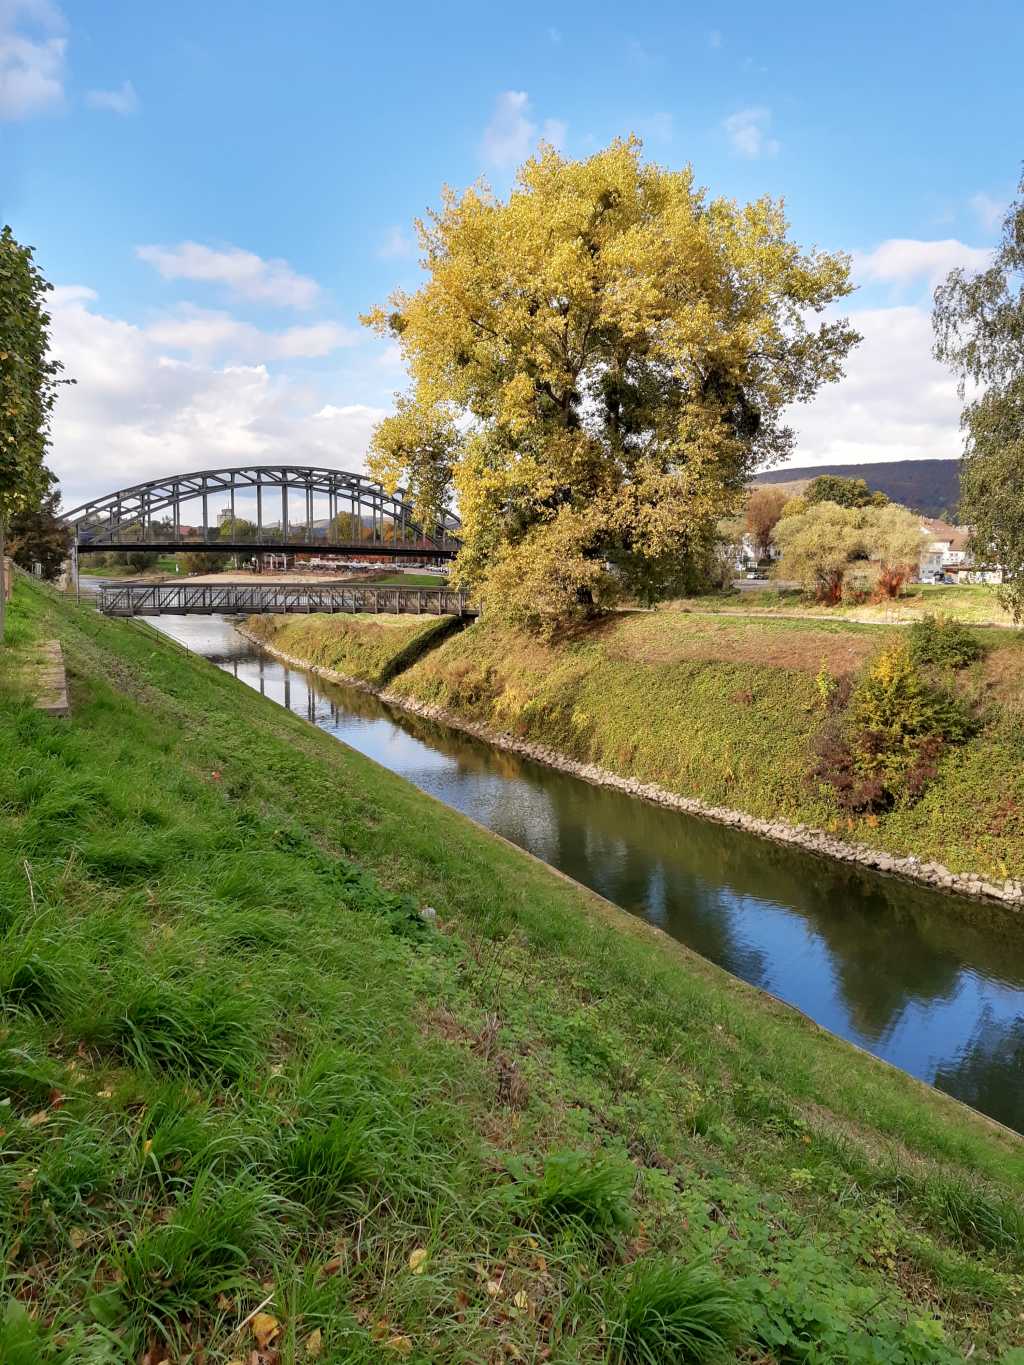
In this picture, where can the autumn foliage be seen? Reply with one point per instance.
(597, 366)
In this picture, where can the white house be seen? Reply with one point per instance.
(945, 549)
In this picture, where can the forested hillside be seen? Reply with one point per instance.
(928, 486)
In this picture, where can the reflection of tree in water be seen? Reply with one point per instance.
(876, 932)
(989, 1074)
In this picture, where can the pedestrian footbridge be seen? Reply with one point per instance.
(257, 599)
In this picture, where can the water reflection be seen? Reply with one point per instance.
(931, 983)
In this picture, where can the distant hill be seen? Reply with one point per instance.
(928, 486)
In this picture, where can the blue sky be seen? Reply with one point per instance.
(218, 190)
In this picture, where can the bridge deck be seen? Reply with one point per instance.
(364, 549)
(256, 599)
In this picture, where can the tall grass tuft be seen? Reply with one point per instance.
(321, 1164)
(975, 1217)
(181, 1134)
(577, 1188)
(207, 1026)
(203, 1250)
(662, 1312)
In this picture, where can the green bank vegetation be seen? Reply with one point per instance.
(116, 565)
(252, 1100)
(411, 580)
(765, 716)
(371, 649)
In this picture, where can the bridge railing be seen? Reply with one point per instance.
(257, 599)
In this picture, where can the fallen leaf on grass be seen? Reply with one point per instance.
(401, 1345)
(522, 1299)
(265, 1327)
(314, 1344)
(34, 1120)
(418, 1261)
(77, 1237)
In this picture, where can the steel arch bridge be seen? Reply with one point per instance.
(340, 512)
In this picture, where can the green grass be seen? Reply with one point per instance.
(976, 603)
(412, 580)
(240, 1072)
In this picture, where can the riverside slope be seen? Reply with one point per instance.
(713, 717)
(252, 1091)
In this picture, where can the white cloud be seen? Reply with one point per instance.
(317, 339)
(243, 273)
(512, 135)
(395, 245)
(989, 212)
(895, 403)
(206, 332)
(136, 413)
(32, 51)
(748, 132)
(123, 100)
(902, 260)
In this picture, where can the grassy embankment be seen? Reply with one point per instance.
(370, 649)
(165, 564)
(240, 1074)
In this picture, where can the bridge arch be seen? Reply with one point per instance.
(253, 507)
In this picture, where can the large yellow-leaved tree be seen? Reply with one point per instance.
(597, 365)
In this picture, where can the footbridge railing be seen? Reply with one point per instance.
(256, 599)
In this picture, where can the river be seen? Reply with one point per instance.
(931, 983)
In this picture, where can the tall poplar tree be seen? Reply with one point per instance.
(979, 331)
(598, 364)
(29, 378)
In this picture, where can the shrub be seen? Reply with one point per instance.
(944, 641)
(895, 704)
(666, 1312)
(887, 746)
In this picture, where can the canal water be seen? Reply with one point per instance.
(932, 983)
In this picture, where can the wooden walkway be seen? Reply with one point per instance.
(257, 599)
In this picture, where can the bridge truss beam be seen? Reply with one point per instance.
(378, 521)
